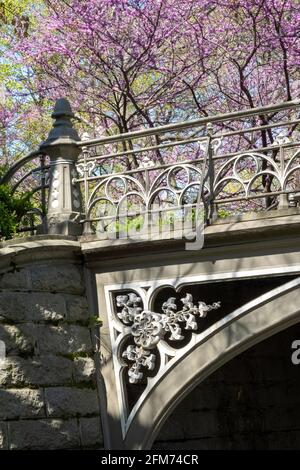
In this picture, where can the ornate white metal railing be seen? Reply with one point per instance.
(117, 185)
(161, 175)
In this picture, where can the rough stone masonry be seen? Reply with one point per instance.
(48, 389)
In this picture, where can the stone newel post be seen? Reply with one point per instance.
(64, 204)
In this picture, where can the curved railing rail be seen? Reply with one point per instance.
(30, 174)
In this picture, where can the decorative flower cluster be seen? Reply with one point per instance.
(148, 328)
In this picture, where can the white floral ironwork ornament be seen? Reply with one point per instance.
(148, 328)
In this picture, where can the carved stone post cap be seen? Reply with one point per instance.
(62, 131)
(62, 108)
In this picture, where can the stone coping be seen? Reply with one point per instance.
(232, 232)
(43, 248)
(229, 231)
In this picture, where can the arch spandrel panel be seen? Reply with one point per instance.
(156, 326)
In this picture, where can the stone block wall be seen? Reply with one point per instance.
(48, 388)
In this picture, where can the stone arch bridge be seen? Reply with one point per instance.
(182, 339)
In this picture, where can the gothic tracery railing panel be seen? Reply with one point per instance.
(228, 172)
(208, 168)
